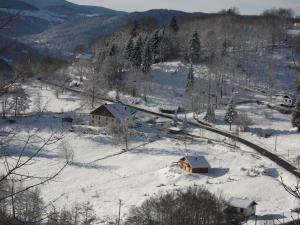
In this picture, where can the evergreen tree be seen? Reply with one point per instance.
(134, 29)
(173, 24)
(154, 43)
(129, 50)
(296, 115)
(231, 113)
(195, 46)
(117, 96)
(137, 53)
(146, 59)
(112, 50)
(190, 80)
(210, 114)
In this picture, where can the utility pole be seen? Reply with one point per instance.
(185, 145)
(276, 144)
(119, 217)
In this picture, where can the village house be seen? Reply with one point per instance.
(285, 99)
(110, 114)
(194, 164)
(243, 206)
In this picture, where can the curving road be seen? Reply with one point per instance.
(265, 152)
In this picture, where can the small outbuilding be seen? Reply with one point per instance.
(110, 114)
(243, 206)
(285, 99)
(194, 164)
(170, 109)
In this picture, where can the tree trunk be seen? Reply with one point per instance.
(93, 97)
(16, 106)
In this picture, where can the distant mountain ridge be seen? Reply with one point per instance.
(37, 16)
(63, 6)
(85, 31)
(62, 25)
(17, 5)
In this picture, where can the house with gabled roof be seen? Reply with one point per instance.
(243, 206)
(194, 164)
(110, 114)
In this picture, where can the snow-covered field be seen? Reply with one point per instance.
(102, 174)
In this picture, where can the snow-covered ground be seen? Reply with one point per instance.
(102, 174)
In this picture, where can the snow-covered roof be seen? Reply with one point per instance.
(197, 161)
(83, 56)
(292, 96)
(175, 128)
(117, 110)
(241, 203)
(168, 107)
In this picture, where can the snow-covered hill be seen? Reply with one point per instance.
(38, 16)
(68, 35)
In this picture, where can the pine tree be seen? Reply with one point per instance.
(190, 80)
(154, 43)
(296, 115)
(146, 59)
(210, 114)
(112, 50)
(231, 113)
(173, 24)
(195, 46)
(134, 29)
(137, 53)
(118, 96)
(129, 50)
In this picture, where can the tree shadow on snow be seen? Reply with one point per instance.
(158, 151)
(217, 172)
(92, 166)
(271, 217)
(270, 132)
(16, 151)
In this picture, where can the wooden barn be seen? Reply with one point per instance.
(243, 206)
(109, 114)
(194, 164)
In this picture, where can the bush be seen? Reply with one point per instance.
(193, 206)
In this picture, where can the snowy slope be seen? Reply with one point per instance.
(102, 173)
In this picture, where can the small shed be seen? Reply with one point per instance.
(285, 99)
(169, 109)
(243, 206)
(194, 164)
(175, 130)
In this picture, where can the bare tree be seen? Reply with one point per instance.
(121, 132)
(171, 209)
(292, 190)
(16, 162)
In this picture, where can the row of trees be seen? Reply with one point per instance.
(235, 48)
(28, 207)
